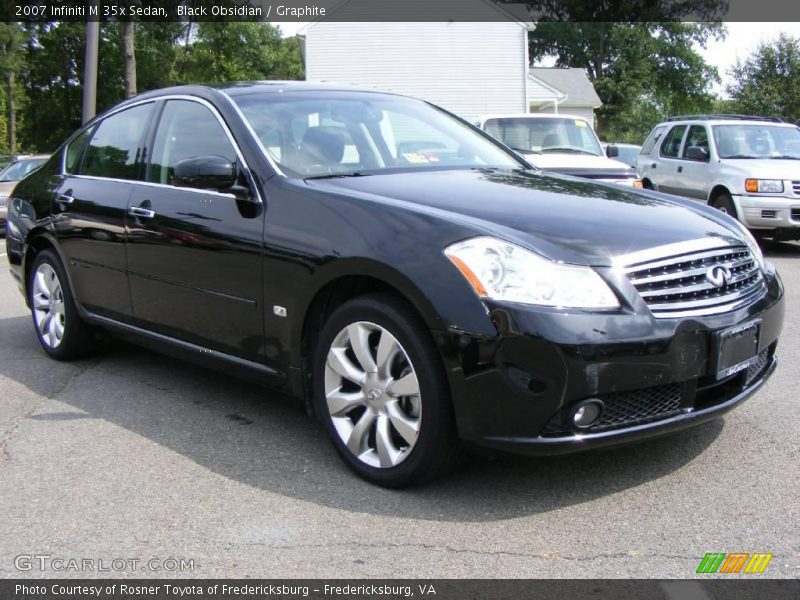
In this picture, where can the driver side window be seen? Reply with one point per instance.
(186, 129)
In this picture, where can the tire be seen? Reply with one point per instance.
(61, 331)
(723, 202)
(391, 421)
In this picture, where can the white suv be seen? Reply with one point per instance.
(748, 167)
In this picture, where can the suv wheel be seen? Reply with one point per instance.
(381, 391)
(724, 202)
(61, 331)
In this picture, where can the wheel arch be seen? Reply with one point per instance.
(38, 239)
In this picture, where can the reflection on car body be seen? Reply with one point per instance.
(418, 285)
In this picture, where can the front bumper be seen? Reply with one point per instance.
(515, 392)
(768, 212)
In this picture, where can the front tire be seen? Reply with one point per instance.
(724, 203)
(381, 392)
(61, 331)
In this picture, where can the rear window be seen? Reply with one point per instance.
(650, 142)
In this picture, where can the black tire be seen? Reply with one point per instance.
(437, 447)
(77, 340)
(646, 184)
(724, 203)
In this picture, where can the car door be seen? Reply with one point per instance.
(195, 255)
(89, 208)
(692, 174)
(667, 177)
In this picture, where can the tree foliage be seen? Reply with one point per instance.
(767, 82)
(642, 70)
(50, 58)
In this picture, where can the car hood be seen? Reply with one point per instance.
(564, 218)
(6, 187)
(558, 160)
(765, 168)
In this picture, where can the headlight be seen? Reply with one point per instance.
(503, 271)
(767, 186)
(752, 244)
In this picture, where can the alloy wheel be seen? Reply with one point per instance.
(48, 305)
(373, 395)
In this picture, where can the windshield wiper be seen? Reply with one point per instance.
(785, 157)
(338, 175)
(567, 150)
(741, 156)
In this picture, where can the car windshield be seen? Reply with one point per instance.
(313, 134)
(739, 140)
(566, 135)
(18, 170)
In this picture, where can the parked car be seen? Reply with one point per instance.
(417, 283)
(559, 143)
(9, 177)
(744, 166)
(624, 153)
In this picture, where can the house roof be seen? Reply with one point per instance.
(570, 81)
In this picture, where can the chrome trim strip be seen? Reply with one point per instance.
(668, 291)
(202, 101)
(152, 184)
(687, 247)
(675, 260)
(735, 295)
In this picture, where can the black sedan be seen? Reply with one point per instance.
(413, 281)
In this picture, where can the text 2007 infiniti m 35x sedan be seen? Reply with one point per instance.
(418, 284)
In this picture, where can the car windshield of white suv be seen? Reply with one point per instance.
(545, 135)
(757, 141)
(339, 134)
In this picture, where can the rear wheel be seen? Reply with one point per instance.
(61, 331)
(381, 392)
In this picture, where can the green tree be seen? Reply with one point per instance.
(238, 51)
(12, 60)
(767, 82)
(638, 68)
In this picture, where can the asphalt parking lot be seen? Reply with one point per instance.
(132, 456)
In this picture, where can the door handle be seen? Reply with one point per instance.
(66, 198)
(653, 166)
(142, 213)
(680, 169)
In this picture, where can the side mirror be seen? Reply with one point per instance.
(612, 151)
(205, 172)
(696, 153)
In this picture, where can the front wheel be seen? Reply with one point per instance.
(380, 389)
(724, 203)
(61, 331)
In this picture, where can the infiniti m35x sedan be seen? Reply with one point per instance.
(416, 283)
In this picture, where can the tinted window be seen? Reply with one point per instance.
(545, 135)
(314, 134)
(19, 169)
(114, 149)
(186, 129)
(652, 139)
(672, 143)
(698, 136)
(74, 150)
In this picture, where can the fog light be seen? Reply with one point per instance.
(586, 413)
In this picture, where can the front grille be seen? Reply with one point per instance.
(626, 409)
(682, 285)
(796, 188)
(3, 200)
(796, 214)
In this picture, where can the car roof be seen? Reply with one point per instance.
(727, 122)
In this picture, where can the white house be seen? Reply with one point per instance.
(562, 90)
(470, 68)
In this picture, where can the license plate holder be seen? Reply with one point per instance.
(736, 348)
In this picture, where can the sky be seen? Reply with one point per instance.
(742, 39)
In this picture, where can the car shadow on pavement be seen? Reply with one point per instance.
(773, 249)
(262, 439)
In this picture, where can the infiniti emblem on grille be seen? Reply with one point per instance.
(718, 276)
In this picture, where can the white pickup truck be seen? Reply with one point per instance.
(564, 144)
